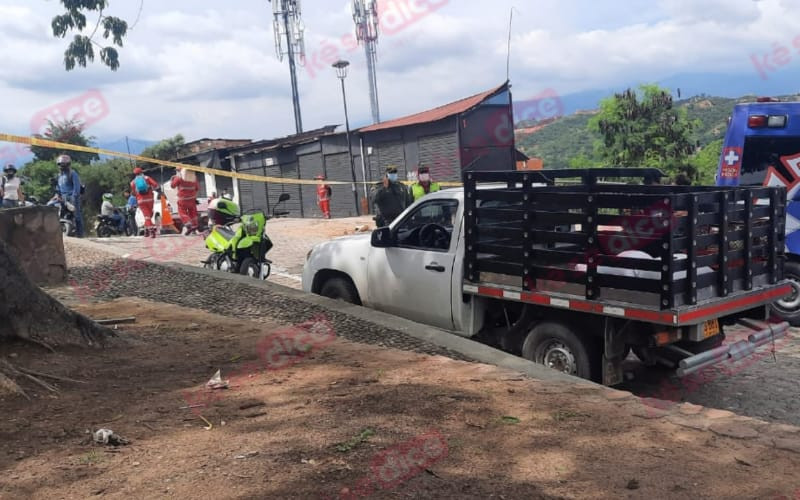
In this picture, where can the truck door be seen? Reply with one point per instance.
(412, 279)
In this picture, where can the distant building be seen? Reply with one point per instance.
(475, 133)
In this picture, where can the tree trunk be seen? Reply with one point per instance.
(30, 314)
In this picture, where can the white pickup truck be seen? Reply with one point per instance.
(524, 267)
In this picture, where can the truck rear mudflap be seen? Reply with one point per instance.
(763, 334)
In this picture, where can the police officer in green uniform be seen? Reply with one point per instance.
(391, 198)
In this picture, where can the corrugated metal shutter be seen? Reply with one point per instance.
(252, 194)
(389, 153)
(310, 167)
(440, 154)
(289, 171)
(274, 189)
(337, 167)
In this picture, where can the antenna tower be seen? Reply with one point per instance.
(365, 15)
(288, 28)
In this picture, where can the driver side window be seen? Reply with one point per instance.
(429, 227)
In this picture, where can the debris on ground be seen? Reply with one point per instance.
(216, 381)
(107, 436)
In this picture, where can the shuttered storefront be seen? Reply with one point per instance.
(337, 167)
(252, 194)
(293, 205)
(440, 154)
(310, 167)
(389, 153)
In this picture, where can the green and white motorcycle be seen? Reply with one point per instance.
(242, 249)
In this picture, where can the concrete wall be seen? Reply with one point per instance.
(33, 234)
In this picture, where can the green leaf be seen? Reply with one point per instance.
(509, 420)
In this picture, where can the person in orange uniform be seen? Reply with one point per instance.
(143, 186)
(186, 183)
(324, 192)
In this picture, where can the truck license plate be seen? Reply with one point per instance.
(710, 328)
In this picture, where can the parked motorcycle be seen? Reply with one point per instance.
(66, 214)
(242, 250)
(105, 227)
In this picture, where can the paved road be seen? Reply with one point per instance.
(767, 388)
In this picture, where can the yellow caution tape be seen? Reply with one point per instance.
(35, 141)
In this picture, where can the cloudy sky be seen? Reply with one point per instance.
(204, 70)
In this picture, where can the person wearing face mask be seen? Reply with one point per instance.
(424, 185)
(391, 198)
(11, 191)
(69, 187)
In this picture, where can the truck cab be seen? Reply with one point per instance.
(762, 148)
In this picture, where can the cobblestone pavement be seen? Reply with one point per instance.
(766, 388)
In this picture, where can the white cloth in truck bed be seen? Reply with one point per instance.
(640, 273)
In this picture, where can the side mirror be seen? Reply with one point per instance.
(284, 197)
(382, 238)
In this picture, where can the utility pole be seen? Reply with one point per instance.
(365, 16)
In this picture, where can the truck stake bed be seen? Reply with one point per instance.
(665, 254)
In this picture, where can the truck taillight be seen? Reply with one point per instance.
(761, 121)
(757, 121)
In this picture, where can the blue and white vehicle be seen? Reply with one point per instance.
(762, 147)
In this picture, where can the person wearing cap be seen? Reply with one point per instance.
(391, 198)
(143, 186)
(11, 190)
(424, 185)
(324, 193)
(185, 181)
(69, 187)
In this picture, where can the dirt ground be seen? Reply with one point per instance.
(340, 420)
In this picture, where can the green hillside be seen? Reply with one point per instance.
(568, 137)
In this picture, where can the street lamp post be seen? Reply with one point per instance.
(341, 72)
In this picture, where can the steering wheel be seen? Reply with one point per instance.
(434, 236)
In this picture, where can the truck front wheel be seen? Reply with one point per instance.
(557, 346)
(340, 289)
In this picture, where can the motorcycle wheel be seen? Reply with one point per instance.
(211, 262)
(225, 264)
(250, 268)
(266, 269)
(104, 232)
(66, 228)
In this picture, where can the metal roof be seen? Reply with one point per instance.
(436, 114)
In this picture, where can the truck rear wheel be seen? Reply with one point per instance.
(556, 346)
(788, 309)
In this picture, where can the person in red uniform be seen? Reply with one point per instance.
(324, 197)
(186, 184)
(143, 186)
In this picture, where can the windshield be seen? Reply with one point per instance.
(760, 153)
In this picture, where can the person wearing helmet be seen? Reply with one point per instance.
(11, 190)
(69, 187)
(185, 181)
(144, 186)
(324, 197)
(107, 209)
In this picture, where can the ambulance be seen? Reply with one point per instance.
(762, 148)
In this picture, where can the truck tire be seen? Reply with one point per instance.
(555, 345)
(788, 309)
(340, 289)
